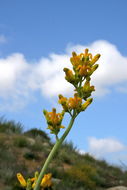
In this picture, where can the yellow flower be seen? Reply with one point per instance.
(62, 99)
(87, 90)
(75, 59)
(70, 77)
(87, 103)
(74, 103)
(21, 180)
(34, 179)
(63, 102)
(47, 180)
(95, 59)
(83, 70)
(54, 120)
(83, 62)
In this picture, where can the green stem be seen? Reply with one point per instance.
(53, 151)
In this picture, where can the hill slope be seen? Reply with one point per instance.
(26, 153)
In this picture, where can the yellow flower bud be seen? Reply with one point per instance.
(74, 54)
(69, 75)
(63, 102)
(86, 51)
(96, 57)
(35, 179)
(87, 87)
(95, 67)
(32, 179)
(90, 56)
(47, 180)
(21, 180)
(87, 103)
(75, 60)
(82, 57)
(44, 112)
(33, 185)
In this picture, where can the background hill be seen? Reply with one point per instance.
(25, 152)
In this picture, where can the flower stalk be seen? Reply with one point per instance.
(53, 151)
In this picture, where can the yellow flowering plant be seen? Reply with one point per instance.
(83, 66)
(30, 183)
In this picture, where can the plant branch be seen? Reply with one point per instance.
(53, 151)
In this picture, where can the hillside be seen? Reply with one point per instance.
(25, 152)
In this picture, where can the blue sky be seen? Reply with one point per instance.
(36, 40)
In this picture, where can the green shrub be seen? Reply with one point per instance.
(10, 127)
(20, 141)
(103, 164)
(6, 154)
(37, 146)
(3, 144)
(30, 156)
(55, 172)
(64, 156)
(89, 158)
(37, 132)
(69, 147)
(8, 176)
(84, 174)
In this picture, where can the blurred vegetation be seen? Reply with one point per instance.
(34, 133)
(25, 152)
(10, 127)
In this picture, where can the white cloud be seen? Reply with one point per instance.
(11, 72)
(112, 71)
(14, 90)
(50, 75)
(104, 146)
(19, 79)
(3, 39)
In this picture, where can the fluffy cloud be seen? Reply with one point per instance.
(101, 147)
(20, 79)
(13, 87)
(111, 73)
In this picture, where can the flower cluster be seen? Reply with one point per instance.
(30, 183)
(84, 64)
(83, 67)
(74, 103)
(54, 120)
